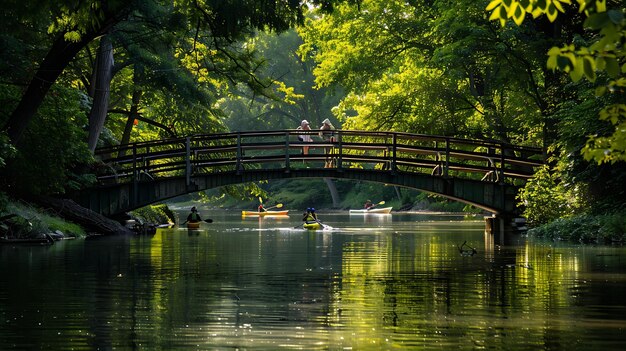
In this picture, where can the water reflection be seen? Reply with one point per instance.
(261, 284)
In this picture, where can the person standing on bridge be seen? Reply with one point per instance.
(327, 133)
(304, 125)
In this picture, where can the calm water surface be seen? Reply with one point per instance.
(379, 282)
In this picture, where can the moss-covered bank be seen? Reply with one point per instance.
(25, 220)
(154, 214)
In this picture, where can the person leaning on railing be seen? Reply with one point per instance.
(327, 133)
(304, 125)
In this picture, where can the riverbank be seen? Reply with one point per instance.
(586, 229)
(57, 219)
(24, 220)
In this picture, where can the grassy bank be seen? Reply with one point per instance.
(599, 229)
(32, 221)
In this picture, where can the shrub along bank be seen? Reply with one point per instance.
(585, 228)
(24, 220)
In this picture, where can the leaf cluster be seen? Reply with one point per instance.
(602, 52)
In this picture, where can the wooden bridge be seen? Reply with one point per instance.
(482, 173)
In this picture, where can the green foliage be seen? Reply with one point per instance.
(584, 228)
(435, 68)
(611, 148)
(7, 150)
(53, 156)
(155, 214)
(51, 223)
(603, 52)
(289, 99)
(545, 198)
(301, 193)
(430, 202)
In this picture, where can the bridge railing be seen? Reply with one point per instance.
(377, 151)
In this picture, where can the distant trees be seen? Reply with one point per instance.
(440, 68)
(294, 96)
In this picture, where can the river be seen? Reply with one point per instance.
(370, 283)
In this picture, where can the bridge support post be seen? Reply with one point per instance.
(287, 163)
(501, 230)
(135, 179)
(187, 161)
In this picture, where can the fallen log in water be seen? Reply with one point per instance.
(90, 220)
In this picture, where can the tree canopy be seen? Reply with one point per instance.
(167, 64)
(440, 68)
(78, 74)
(600, 52)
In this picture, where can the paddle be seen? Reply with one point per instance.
(275, 206)
(380, 203)
(205, 220)
(324, 226)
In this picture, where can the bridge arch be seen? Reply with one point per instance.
(482, 173)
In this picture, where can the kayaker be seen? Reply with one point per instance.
(369, 205)
(194, 216)
(262, 208)
(310, 216)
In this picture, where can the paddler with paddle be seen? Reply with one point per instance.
(194, 218)
(310, 216)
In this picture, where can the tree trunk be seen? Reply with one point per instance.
(58, 57)
(398, 194)
(87, 218)
(134, 108)
(98, 113)
(334, 194)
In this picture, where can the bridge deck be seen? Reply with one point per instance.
(354, 152)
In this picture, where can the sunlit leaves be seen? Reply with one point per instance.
(605, 53)
(75, 19)
(503, 10)
(546, 198)
(289, 94)
(610, 148)
(424, 68)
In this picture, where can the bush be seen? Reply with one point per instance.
(546, 199)
(155, 214)
(585, 228)
(53, 156)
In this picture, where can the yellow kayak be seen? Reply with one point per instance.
(312, 226)
(265, 213)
